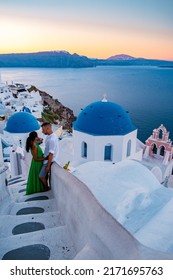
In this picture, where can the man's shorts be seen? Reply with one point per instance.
(43, 172)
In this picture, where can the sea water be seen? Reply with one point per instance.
(145, 92)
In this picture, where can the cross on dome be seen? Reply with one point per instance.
(104, 98)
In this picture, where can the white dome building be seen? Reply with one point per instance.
(103, 131)
(17, 129)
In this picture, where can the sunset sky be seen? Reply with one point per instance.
(95, 28)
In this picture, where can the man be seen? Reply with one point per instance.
(51, 152)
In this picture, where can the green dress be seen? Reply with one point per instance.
(34, 185)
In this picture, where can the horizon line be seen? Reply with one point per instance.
(65, 51)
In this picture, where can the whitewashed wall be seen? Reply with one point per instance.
(96, 144)
(96, 234)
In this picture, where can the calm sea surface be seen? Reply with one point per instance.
(145, 92)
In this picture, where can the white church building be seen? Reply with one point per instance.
(103, 131)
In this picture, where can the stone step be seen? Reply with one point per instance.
(31, 207)
(31, 227)
(22, 197)
(52, 243)
(28, 222)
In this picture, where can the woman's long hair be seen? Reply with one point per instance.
(30, 139)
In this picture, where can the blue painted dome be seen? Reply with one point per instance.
(25, 109)
(104, 118)
(22, 122)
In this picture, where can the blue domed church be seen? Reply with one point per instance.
(103, 131)
(17, 129)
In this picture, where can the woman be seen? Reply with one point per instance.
(34, 185)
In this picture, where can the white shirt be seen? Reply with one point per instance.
(51, 146)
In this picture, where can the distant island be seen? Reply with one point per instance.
(63, 59)
(49, 59)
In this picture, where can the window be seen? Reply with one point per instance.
(129, 143)
(160, 134)
(162, 151)
(108, 152)
(154, 148)
(84, 149)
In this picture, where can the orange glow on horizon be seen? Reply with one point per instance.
(21, 35)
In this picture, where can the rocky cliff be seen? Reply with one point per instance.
(54, 111)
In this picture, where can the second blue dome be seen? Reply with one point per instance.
(104, 118)
(22, 122)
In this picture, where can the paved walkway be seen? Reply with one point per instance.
(31, 227)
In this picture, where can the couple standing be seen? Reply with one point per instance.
(41, 164)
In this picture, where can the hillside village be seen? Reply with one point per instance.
(110, 193)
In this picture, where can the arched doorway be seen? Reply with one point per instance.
(154, 148)
(108, 152)
(162, 150)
